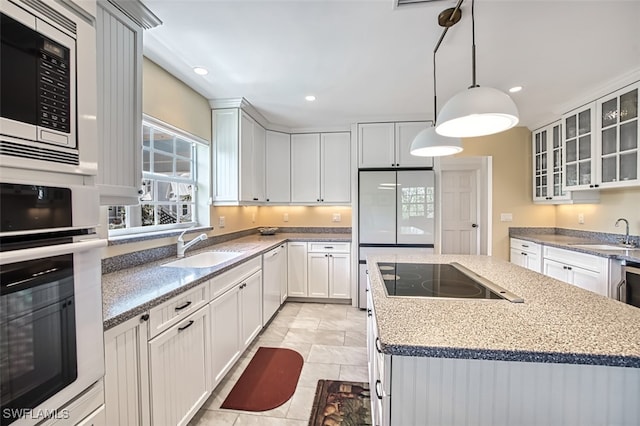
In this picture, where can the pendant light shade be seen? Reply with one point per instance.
(428, 143)
(478, 111)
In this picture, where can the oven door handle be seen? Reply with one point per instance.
(48, 251)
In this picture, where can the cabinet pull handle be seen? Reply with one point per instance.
(525, 246)
(378, 346)
(186, 326)
(569, 268)
(523, 253)
(378, 382)
(274, 254)
(181, 307)
(328, 247)
(255, 199)
(144, 317)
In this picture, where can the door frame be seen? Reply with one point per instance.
(483, 167)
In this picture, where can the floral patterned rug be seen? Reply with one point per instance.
(339, 403)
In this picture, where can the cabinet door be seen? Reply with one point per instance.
(246, 157)
(297, 269)
(555, 170)
(126, 379)
(556, 270)
(225, 333)
(251, 308)
(119, 63)
(278, 167)
(305, 168)
(589, 280)
(335, 168)
(540, 165)
(282, 267)
(179, 370)
(518, 257)
(532, 262)
(405, 134)
(339, 275)
(318, 278)
(225, 154)
(579, 149)
(376, 145)
(619, 162)
(258, 159)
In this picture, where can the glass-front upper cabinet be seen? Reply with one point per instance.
(618, 124)
(547, 164)
(579, 148)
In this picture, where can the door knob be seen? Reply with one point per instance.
(474, 225)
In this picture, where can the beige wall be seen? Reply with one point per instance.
(601, 217)
(512, 192)
(168, 99)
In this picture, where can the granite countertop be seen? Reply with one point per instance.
(569, 242)
(132, 291)
(557, 323)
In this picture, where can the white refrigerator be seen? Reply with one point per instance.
(396, 212)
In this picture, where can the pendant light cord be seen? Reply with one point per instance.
(473, 45)
(435, 49)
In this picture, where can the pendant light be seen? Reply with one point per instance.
(477, 111)
(428, 143)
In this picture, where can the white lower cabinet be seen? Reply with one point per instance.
(126, 380)
(526, 254)
(236, 315)
(319, 270)
(580, 269)
(179, 370)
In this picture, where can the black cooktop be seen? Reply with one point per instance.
(435, 280)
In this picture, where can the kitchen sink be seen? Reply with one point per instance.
(206, 259)
(603, 247)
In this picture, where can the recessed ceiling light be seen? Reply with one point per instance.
(310, 98)
(515, 89)
(200, 70)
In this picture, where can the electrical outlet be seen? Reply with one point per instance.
(221, 222)
(285, 217)
(337, 217)
(581, 218)
(506, 217)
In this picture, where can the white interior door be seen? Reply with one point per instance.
(460, 212)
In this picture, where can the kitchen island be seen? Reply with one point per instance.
(564, 356)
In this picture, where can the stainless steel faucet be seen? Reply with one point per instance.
(182, 247)
(626, 241)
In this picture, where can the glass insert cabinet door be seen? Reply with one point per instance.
(618, 122)
(547, 164)
(579, 153)
(540, 165)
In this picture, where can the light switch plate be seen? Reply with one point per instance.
(337, 217)
(221, 222)
(581, 218)
(285, 217)
(506, 217)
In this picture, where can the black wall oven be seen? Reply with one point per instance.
(51, 347)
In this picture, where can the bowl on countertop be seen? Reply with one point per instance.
(267, 231)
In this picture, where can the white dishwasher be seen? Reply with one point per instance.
(274, 269)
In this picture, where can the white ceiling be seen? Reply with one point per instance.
(365, 60)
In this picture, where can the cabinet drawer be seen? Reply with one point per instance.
(574, 258)
(526, 246)
(226, 280)
(174, 310)
(328, 247)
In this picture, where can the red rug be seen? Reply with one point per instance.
(269, 380)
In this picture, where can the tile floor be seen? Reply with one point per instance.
(331, 339)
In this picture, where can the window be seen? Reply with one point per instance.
(169, 186)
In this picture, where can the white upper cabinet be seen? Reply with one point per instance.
(547, 169)
(388, 145)
(580, 148)
(305, 168)
(119, 57)
(335, 167)
(321, 168)
(618, 124)
(238, 158)
(277, 167)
